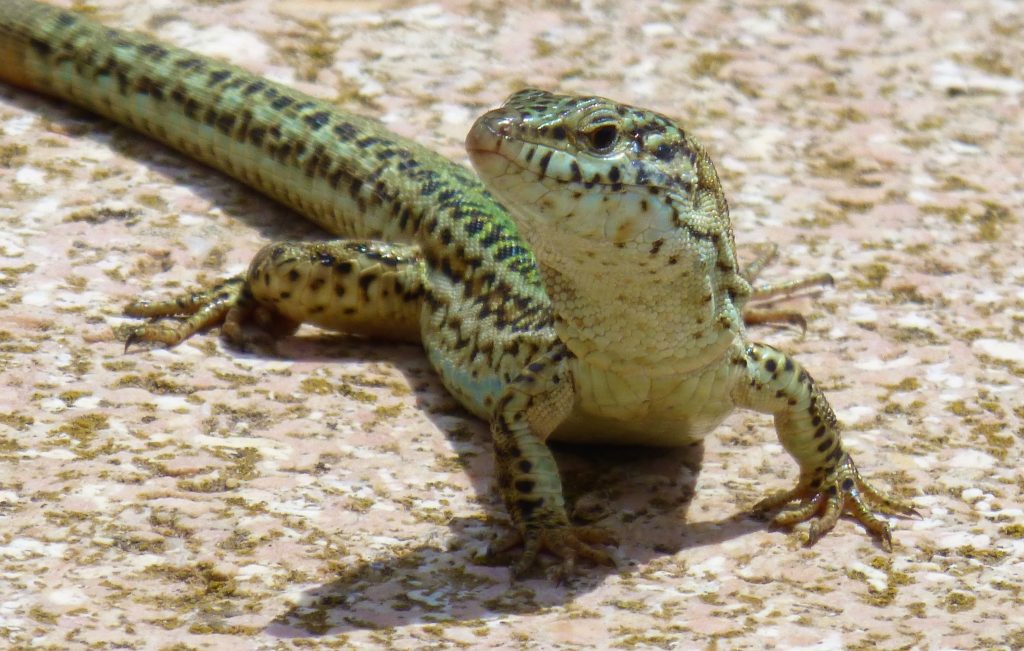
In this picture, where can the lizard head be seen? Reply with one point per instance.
(586, 178)
(628, 223)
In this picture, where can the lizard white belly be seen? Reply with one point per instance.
(648, 408)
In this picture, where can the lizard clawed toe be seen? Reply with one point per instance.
(845, 492)
(568, 543)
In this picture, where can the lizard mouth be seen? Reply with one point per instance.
(543, 191)
(485, 145)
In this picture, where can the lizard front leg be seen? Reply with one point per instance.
(530, 408)
(829, 483)
(353, 286)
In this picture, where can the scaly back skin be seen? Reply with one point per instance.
(344, 172)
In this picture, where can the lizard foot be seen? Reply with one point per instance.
(568, 543)
(845, 491)
(244, 323)
(753, 315)
(194, 311)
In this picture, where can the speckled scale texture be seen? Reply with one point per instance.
(343, 171)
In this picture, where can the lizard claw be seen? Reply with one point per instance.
(148, 333)
(132, 338)
(845, 491)
(190, 312)
(569, 543)
(153, 333)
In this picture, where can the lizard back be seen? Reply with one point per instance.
(485, 310)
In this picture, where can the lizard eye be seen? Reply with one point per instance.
(603, 138)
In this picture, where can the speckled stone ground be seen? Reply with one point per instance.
(333, 495)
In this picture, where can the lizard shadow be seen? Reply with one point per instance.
(643, 494)
(640, 495)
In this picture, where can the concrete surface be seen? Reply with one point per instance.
(332, 495)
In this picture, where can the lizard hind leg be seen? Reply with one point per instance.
(353, 286)
(753, 315)
(192, 312)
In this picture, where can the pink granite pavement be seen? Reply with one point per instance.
(331, 494)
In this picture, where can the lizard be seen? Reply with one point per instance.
(582, 286)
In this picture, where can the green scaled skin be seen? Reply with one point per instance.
(617, 317)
